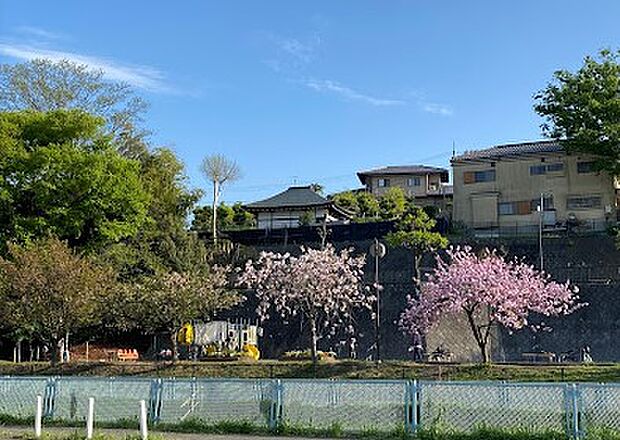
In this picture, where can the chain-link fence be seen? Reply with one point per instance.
(351, 405)
(468, 405)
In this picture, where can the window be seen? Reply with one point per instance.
(522, 207)
(537, 170)
(413, 181)
(585, 167)
(384, 183)
(479, 176)
(507, 208)
(484, 176)
(583, 202)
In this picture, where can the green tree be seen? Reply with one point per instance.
(242, 219)
(347, 200)
(61, 176)
(44, 85)
(368, 205)
(228, 218)
(392, 203)
(48, 291)
(582, 109)
(166, 301)
(414, 231)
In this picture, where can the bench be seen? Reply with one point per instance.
(539, 357)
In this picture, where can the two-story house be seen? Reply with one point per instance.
(294, 207)
(501, 188)
(426, 184)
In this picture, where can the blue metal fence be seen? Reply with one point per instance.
(353, 405)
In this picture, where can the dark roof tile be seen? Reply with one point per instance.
(295, 196)
(511, 150)
(403, 169)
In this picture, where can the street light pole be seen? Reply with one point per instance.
(541, 209)
(378, 251)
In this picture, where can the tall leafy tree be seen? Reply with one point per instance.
(44, 85)
(582, 109)
(489, 291)
(47, 290)
(59, 175)
(415, 231)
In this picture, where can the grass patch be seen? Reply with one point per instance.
(335, 431)
(345, 369)
(481, 434)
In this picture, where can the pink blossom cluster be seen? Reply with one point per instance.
(485, 284)
(321, 284)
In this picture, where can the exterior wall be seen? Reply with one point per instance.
(287, 219)
(429, 184)
(477, 204)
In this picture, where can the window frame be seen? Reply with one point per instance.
(414, 181)
(383, 182)
(588, 165)
(583, 207)
(540, 170)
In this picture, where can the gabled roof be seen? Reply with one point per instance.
(402, 169)
(293, 197)
(511, 150)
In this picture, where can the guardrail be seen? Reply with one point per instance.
(353, 405)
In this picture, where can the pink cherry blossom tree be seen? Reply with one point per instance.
(322, 285)
(490, 291)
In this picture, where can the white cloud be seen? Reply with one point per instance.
(38, 32)
(348, 93)
(139, 76)
(302, 51)
(437, 109)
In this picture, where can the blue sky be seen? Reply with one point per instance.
(315, 91)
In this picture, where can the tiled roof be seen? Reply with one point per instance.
(403, 169)
(295, 196)
(511, 150)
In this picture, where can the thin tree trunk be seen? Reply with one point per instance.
(175, 345)
(484, 353)
(313, 342)
(54, 351)
(481, 339)
(215, 197)
(417, 260)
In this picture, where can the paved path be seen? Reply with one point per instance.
(14, 433)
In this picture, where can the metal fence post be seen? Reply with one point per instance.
(576, 412)
(275, 413)
(571, 401)
(411, 408)
(155, 400)
(49, 398)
